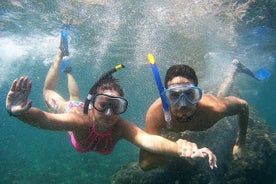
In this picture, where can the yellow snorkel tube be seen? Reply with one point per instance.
(159, 84)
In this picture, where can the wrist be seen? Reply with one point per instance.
(184, 148)
(240, 142)
(10, 113)
(179, 148)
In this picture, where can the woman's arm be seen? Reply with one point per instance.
(161, 145)
(49, 121)
(17, 105)
(152, 143)
(155, 121)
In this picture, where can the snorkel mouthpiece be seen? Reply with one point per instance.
(92, 89)
(159, 84)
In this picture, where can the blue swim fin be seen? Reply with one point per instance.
(64, 40)
(65, 66)
(262, 74)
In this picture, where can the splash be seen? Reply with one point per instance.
(18, 53)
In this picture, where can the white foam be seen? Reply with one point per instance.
(16, 50)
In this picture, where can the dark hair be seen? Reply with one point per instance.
(182, 71)
(107, 82)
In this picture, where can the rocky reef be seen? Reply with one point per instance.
(258, 164)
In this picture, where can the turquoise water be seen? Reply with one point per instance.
(105, 34)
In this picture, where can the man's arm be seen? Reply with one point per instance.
(243, 117)
(239, 107)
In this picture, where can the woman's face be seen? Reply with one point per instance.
(104, 107)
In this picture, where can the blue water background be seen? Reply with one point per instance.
(105, 34)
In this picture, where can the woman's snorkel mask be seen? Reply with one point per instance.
(92, 90)
(159, 84)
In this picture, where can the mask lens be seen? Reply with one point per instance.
(102, 102)
(193, 95)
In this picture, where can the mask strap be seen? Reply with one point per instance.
(86, 103)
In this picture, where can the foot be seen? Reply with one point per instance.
(68, 69)
(242, 68)
(239, 65)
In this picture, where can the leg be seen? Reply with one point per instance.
(225, 86)
(73, 88)
(53, 100)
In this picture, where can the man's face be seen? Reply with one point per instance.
(180, 96)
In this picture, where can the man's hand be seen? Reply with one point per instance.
(237, 151)
(188, 149)
(17, 98)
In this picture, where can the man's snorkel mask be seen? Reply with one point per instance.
(92, 90)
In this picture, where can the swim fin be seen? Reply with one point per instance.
(64, 40)
(262, 74)
(65, 66)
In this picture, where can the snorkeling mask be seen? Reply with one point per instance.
(176, 92)
(103, 102)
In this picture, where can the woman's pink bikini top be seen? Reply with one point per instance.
(95, 141)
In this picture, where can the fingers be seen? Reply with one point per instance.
(22, 85)
(28, 87)
(25, 83)
(13, 86)
(189, 150)
(19, 84)
(204, 152)
(212, 157)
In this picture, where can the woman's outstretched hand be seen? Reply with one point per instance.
(17, 98)
(188, 150)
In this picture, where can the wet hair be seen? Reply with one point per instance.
(181, 70)
(107, 82)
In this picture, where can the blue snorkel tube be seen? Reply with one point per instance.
(159, 84)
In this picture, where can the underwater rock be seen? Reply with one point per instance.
(258, 164)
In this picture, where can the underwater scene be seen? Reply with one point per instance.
(206, 35)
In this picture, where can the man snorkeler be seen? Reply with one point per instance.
(192, 110)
